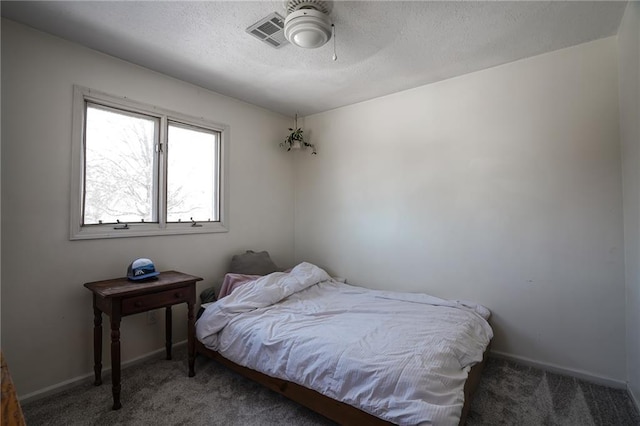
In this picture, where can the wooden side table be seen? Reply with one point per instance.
(120, 297)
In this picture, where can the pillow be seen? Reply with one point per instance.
(233, 281)
(252, 263)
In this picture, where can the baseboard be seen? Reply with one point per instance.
(67, 384)
(579, 374)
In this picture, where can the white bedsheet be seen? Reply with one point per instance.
(402, 357)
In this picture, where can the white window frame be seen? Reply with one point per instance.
(82, 95)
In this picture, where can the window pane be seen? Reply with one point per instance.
(119, 166)
(192, 174)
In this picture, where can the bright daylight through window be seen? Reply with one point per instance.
(144, 171)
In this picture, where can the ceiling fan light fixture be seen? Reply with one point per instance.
(307, 28)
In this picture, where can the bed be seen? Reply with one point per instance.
(355, 355)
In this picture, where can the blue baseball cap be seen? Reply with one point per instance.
(141, 269)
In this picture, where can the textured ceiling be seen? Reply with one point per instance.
(382, 46)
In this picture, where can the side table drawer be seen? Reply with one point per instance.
(161, 299)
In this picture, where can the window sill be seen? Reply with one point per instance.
(95, 232)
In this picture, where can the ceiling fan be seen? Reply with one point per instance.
(306, 25)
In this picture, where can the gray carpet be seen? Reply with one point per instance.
(158, 392)
(513, 394)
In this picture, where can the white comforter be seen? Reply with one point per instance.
(402, 357)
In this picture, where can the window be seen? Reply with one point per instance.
(140, 170)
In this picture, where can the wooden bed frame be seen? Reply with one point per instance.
(337, 411)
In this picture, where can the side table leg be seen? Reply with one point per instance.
(167, 329)
(97, 344)
(115, 361)
(191, 339)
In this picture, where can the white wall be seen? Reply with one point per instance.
(629, 72)
(501, 186)
(46, 312)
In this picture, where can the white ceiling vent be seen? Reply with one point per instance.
(269, 29)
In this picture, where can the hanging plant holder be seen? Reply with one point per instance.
(295, 140)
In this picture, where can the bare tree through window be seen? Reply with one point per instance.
(119, 167)
(191, 181)
(140, 170)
